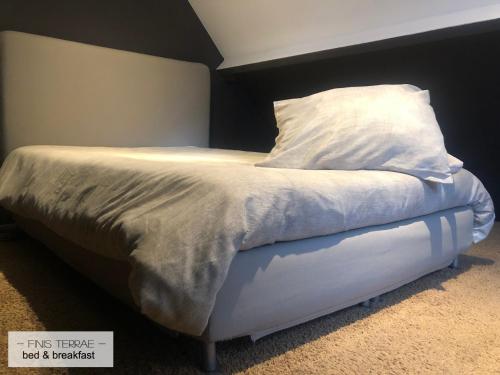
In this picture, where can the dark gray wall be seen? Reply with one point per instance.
(167, 28)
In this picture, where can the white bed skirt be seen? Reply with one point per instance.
(278, 286)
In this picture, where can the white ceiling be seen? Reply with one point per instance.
(249, 31)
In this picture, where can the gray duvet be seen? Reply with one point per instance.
(179, 215)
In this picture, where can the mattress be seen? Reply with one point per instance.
(179, 216)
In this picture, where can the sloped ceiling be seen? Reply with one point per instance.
(250, 31)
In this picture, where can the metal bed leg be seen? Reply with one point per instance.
(209, 356)
(370, 302)
(454, 264)
(366, 303)
(375, 299)
(9, 232)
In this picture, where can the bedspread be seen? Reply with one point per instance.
(179, 215)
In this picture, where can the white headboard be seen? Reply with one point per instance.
(65, 93)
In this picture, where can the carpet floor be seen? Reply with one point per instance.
(444, 323)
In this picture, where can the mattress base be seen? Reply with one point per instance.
(274, 287)
(279, 286)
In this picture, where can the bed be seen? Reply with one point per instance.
(204, 242)
(218, 248)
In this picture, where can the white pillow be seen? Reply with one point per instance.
(386, 127)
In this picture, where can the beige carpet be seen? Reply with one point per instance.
(444, 323)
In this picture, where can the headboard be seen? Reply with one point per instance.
(65, 93)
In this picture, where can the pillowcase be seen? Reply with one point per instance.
(385, 127)
(455, 164)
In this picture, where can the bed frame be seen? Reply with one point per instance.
(274, 287)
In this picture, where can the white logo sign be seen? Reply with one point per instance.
(60, 349)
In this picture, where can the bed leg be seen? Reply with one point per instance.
(9, 232)
(209, 363)
(454, 264)
(366, 303)
(375, 299)
(370, 302)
